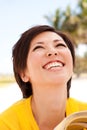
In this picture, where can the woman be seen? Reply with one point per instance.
(43, 62)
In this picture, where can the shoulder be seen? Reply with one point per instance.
(16, 108)
(74, 105)
(16, 116)
(72, 101)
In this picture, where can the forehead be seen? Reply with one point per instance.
(46, 36)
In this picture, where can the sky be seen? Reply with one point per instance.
(19, 15)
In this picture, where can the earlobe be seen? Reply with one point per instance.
(24, 77)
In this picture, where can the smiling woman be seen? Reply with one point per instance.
(55, 53)
(43, 62)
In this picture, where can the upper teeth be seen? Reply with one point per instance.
(53, 64)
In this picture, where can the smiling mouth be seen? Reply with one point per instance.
(53, 65)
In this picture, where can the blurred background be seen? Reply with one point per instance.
(17, 16)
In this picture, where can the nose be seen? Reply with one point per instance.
(52, 53)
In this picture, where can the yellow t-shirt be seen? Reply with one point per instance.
(74, 105)
(20, 117)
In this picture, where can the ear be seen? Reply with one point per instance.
(24, 77)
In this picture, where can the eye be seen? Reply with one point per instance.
(37, 47)
(61, 45)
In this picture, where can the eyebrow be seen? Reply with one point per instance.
(39, 42)
(57, 40)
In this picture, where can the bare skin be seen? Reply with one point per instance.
(49, 67)
(47, 108)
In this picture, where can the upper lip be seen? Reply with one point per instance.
(53, 62)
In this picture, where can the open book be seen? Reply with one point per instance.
(75, 121)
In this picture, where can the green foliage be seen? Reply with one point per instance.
(81, 65)
(72, 22)
(55, 19)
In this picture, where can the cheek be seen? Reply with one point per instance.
(34, 60)
(70, 61)
(34, 67)
(69, 58)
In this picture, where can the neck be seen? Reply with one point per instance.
(48, 106)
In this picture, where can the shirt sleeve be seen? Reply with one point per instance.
(3, 126)
(82, 105)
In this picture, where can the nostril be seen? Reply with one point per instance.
(49, 54)
(55, 53)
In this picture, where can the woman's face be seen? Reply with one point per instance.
(49, 60)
